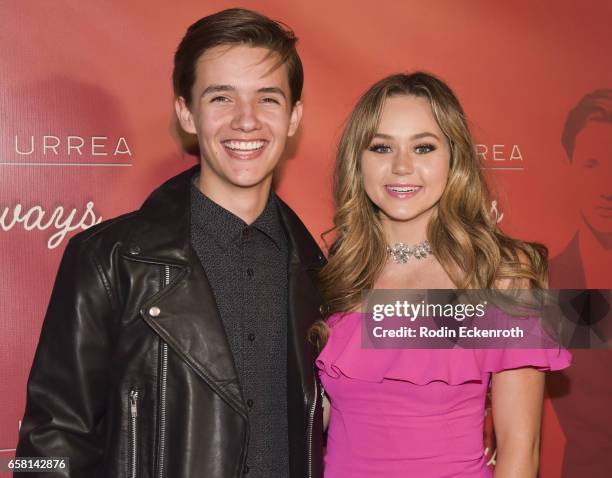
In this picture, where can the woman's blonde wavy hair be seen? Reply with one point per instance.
(464, 237)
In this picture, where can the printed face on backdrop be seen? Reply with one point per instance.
(406, 165)
(241, 112)
(592, 174)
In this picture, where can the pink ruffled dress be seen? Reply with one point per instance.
(407, 412)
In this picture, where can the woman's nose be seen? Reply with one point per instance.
(403, 163)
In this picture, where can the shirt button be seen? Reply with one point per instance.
(249, 403)
(154, 311)
(250, 272)
(252, 337)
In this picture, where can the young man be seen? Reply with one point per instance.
(587, 139)
(580, 394)
(175, 340)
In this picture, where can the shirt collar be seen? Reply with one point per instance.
(225, 227)
(596, 259)
(269, 222)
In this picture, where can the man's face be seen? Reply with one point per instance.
(241, 112)
(592, 173)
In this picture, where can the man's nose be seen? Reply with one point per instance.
(245, 117)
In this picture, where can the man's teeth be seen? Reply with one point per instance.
(244, 145)
(403, 189)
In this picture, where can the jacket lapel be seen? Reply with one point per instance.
(184, 313)
(189, 322)
(305, 259)
(304, 300)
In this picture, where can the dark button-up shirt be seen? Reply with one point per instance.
(246, 266)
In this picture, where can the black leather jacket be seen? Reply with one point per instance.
(133, 375)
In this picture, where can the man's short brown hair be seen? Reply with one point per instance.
(596, 106)
(236, 26)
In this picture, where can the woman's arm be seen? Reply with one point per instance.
(326, 406)
(517, 397)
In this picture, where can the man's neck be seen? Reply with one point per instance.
(596, 259)
(604, 239)
(246, 203)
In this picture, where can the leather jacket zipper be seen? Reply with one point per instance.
(133, 403)
(310, 427)
(163, 393)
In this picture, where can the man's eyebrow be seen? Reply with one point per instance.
(413, 137)
(272, 89)
(225, 88)
(217, 89)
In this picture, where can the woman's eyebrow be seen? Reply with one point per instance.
(414, 136)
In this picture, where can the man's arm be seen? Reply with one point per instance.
(69, 381)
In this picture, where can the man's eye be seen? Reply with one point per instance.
(268, 99)
(380, 148)
(591, 163)
(219, 99)
(424, 148)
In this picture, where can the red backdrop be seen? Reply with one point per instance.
(87, 122)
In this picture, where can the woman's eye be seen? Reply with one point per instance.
(424, 148)
(380, 148)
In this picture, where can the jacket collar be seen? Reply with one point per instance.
(164, 236)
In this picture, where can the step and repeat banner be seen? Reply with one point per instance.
(87, 131)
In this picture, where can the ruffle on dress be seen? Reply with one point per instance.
(344, 355)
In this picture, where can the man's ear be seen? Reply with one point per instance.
(296, 117)
(184, 115)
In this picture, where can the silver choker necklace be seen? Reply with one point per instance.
(400, 252)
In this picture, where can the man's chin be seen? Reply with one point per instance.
(252, 182)
(603, 231)
(600, 227)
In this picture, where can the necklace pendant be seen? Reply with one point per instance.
(401, 252)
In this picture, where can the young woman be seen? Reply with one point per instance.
(406, 172)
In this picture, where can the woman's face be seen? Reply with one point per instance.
(405, 167)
